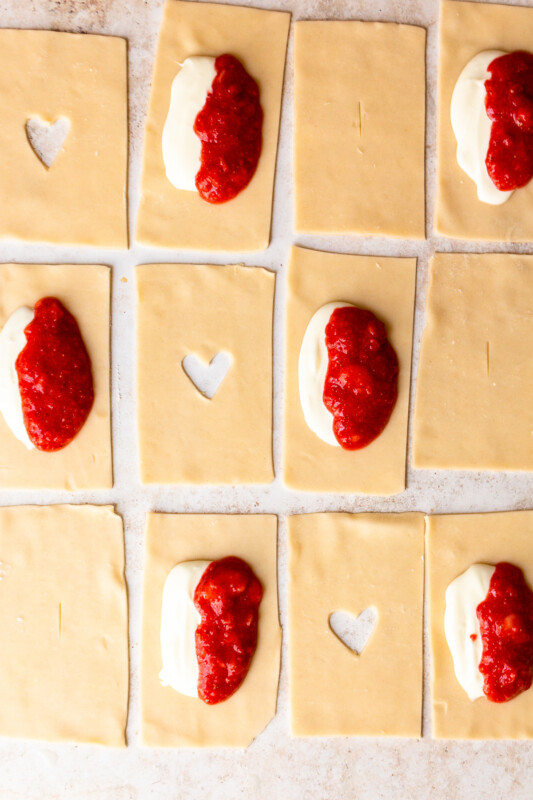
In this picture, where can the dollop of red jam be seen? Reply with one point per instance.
(230, 128)
(361, 386)
(55, 377)
(506, 623)
(509, 104)
(227, 598)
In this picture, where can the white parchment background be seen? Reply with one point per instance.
(275, 767)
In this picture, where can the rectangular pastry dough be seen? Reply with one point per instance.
(171, 719)
(64, 621)
(351, 562)
(81, 198)
(465, 30)
(453, 543)
(359, 109)
(385, 286)
(475, 379)
(188, 309)
(86, 463)
(169, 217)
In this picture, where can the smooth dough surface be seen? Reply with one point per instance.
(188, 309)
(81, 198)
(473, 405)
(169, 217)
(64, 622)
(86, 463)
(465, 30)
(170, 719)
(350, 562)
(386, 287)
(359, 127)
(453, 543)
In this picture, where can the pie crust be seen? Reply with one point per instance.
(473, 405)
(386, 287)
(351, 562)
(171, 719)
(467, 29)
(81, 198)
(359, 128)
(184, 437)
(86, 463)
(64, 621)
(454, 542)
(169, 217)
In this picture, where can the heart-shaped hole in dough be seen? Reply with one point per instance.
(46, 138)
(207, 377)
(354, 632)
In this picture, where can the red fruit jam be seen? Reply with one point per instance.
(506, 622)
(230, 127)
(361, 386)
(55, 378)
(509, 104)
(227, 598)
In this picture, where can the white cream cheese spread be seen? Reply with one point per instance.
(312, 370)
(12, 342)
(472, 126)
(461, 625)
(182, 148)
(179, 620)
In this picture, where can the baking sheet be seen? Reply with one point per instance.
(275, 766)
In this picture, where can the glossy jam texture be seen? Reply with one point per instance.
(230, 128)
(506, 624)
(509, 104)
(55, 377)
(361, 386)
(227, 598)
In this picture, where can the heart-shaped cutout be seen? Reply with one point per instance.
(207, 377)
(46, 138)
(354, 632)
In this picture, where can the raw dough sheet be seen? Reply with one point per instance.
(467, 29)
(359, 113)
(453, 543)
(475, 379)
(86, 463)
(81, 198)
(170, 719)
(386, 287)
(188, 309)
(64, 621)
(350, 562)
(169, 217)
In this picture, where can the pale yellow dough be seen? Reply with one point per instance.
(386, 287)
(466, 30)
(359, 109)
(170, 719)
(86, 463)
(81, 198)
(169, 217)
(64, 622)
(350, 562)
(188, 309)
(453, 543)
(475, 381)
